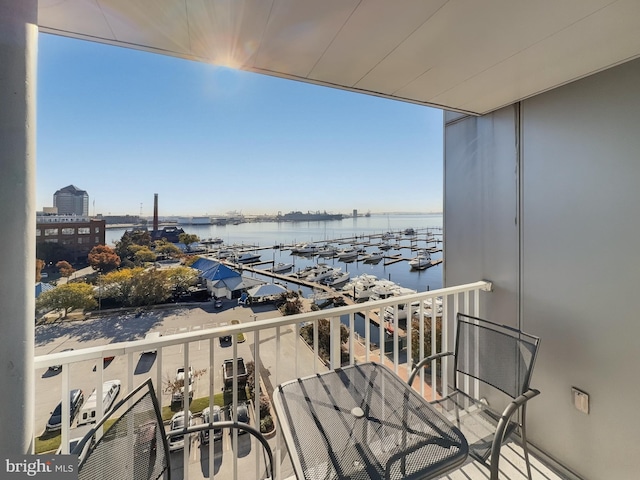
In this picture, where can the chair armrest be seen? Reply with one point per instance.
(502, 427)
(424, 362)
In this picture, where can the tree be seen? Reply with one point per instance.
(324, 337)
(39, 267)
(144, 255)
(67, 297)
(149, 287)
(175, 385)
(290, 303)
(65, 268)
(181, 278)
(119, 284)
(188, 239)
(140, 238)
(167, 249)
(415, 336)
(103, 258)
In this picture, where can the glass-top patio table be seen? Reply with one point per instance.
(364, 422)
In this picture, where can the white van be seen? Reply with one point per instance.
(110, 390)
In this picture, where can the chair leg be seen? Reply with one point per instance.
(523, 436)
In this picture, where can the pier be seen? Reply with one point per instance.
(374, 315)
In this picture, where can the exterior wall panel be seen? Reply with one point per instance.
(581, 267)
(480, 208)
(571, 266)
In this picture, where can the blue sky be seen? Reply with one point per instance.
(123, 125)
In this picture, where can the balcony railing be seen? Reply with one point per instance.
(279, 353)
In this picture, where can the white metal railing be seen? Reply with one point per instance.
(288, 357)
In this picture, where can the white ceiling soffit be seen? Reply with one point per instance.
(463, 55)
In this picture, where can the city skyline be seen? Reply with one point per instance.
(124, 125)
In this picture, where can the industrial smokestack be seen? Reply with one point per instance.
(155, 212)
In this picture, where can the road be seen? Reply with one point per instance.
(126, 327)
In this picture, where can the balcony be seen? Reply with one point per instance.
(193, 337)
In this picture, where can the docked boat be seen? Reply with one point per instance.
(347, 255)
(421, 261)
(327, 251)
(321, 272)
(224, 253)
(212, 241)
(385, 246)
(372, 257)
(305, 249)
(281, 267)
(247, 257)
(361, 287)
(403, 311)
(337, 279)
(305, 272)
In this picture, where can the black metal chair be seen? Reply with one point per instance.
(134, 444)
(503, 358)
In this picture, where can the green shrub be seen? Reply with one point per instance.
(266, 424)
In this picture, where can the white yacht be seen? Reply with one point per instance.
(372, 257)
(327, 251)
(337, 279)
(347, 255)
(305, 249)
(321, 272)
(282, 267)
(421, 261)
(361, 287)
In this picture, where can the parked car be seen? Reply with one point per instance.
(176, 397)
(209, 417)
(55, 368)
(241, 415)
(176, 442)
(218, 303)
(76, 397)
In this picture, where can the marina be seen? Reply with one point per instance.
(388, 235)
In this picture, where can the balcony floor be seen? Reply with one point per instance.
(512, 466)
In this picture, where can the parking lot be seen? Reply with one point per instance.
(179, 319)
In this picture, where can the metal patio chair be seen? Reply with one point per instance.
(498, 356)
(134, 444)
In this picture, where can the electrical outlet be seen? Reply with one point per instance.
(580, 400)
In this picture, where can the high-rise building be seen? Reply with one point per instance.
(71, 200)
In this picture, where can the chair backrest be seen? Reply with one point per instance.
(133, 444)
(497, 355)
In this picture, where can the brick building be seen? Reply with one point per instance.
(78, 234)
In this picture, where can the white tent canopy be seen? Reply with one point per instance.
(266, 290)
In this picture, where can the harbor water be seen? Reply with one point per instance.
(273, 239)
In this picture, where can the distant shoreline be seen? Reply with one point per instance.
(253, 219)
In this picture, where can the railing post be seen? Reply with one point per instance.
(335, 346)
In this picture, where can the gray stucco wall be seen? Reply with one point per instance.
(481, 208)
(571, 265)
